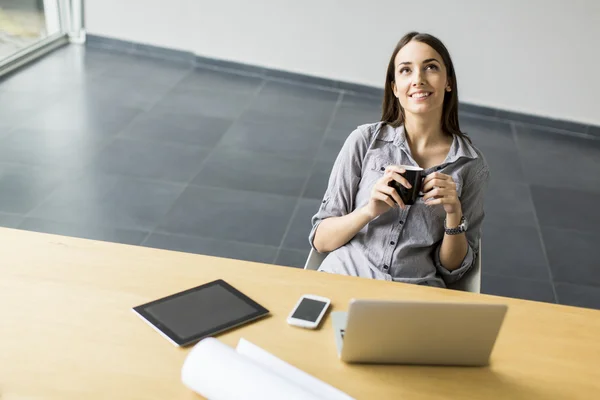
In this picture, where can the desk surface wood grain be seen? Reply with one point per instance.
(67, 330)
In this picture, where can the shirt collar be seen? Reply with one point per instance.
(460, 146)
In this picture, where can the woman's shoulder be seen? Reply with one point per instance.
(481, 164)
(358, 142)
(478, 167)
(366, 133)
(479, 161)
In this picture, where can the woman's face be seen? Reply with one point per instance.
(420, 79)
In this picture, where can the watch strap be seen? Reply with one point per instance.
(458, 230)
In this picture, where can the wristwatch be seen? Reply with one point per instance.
(461, 228)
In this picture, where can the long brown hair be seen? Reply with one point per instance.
(393, 113)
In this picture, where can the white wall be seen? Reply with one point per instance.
(535, 56)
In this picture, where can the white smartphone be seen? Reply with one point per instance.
(309, 311)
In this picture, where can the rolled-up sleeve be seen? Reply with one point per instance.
(343, 183)
(471, 199)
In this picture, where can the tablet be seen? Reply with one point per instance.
(186, 317)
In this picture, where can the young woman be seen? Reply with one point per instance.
(362, 222)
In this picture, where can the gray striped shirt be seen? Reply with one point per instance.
(399, 245)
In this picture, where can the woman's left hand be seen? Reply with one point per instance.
(441, 189)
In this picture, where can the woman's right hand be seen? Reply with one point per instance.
(384, 197)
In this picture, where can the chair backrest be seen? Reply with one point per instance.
(314, 260)
(471, 282)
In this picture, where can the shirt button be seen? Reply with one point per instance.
(439, 168)
(382, 168)
(392, 243)
(386, 267)
(324, 201)
(401, 222)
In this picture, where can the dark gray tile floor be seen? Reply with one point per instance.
(136, 150)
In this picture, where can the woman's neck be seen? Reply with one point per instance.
(423, 131)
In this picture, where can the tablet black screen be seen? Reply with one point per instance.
(199, 312)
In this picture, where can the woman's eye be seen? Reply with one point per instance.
(432, 67)
(404, 70)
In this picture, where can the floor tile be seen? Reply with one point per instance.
(204, 78)
(18, 107)
(43, 80)
(557, 160)
(153, 160)
(10, 220)
(297, 141)
(356, 110)
(60, 64)
(509, 204)
(278, 89)
(338, 134)
(228, 105)
(5, 129)
(488, 133)
(292, 258)
(82, 59)
(234, 215)
(514, 251)
(535, 120)
(504, 164)
(573, 255)
(48, 148)
(317, 183)
(566, 208)
(86, 231)
(23, 187)
(38, 80)
(255, 172)
(63, 70)
(101, 92)
(330, 149)
(297, 236)
(288, 104)
(517, 288)
(212, 247)
(136, 68)
(83, 118)
(119, 202)
(178, 128)
(578, 295)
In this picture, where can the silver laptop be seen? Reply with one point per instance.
(410, 332)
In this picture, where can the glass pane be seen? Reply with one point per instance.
(26, 22)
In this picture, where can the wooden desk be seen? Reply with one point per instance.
(67, 331)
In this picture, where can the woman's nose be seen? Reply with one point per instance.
(417, 79)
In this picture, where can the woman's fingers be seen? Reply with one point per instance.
(395, 168)
(435, 201)
(438, 188)
(385, 198)
(401, 180)
(436, 175)
(438, 193)
(434, 193)
(394, 172)
(437, 180)
(391, 192)
(394, 194)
